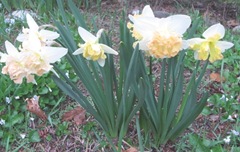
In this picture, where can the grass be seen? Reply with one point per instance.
(203, 135)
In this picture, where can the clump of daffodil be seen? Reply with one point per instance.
(162, 38)
(92, 49)
(146, 12)
(46, 37)
(210, 46)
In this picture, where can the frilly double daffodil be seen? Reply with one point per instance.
(162, 38)
(26, 63)
(210, 45)
(92, 49)
(46, 37)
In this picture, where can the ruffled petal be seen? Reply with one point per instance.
(86, 36)
(213, 30)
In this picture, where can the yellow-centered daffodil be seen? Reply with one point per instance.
(92, 49)
(162, 38)
(210, 46)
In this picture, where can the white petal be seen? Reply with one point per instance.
(101, 62)
(185, 44)
(147, 11)
(21, 37)
(131, 17)
(3, 57)
(31, 23)
(143, 44)
(78, 51)
(49, 35)
(99, 33)
(224, 45)
(54, 54)
(109, 50)
(33, 43)
(11, 50)
(194, 41)
(86, 36)
(178, 23)
(195, 55)
(213, 30)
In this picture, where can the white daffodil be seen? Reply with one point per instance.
(46, 37)
(29, 62)
(162, 38)
(210, 45)
(92, 49)
(146, 13)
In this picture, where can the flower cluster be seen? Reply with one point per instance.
(163, 37)
(35, 54)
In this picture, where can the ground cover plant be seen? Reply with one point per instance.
(123, 94)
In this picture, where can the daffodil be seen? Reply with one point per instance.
(146, 12)
(92, 49)
(162, 38)
(210, 45)
(27, 63)
(46, 37)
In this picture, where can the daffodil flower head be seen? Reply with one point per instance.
(46, 37)
(211, 45)
(162, 38)
(92, 49)
(27, 63)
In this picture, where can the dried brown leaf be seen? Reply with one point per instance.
(77, 115)
(33, 107)
(216, 77)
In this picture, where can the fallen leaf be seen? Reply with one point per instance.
(77, 115)
(216, 77)
(132, 149)
(33, 107)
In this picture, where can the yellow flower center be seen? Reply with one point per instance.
(93, 51)
(209, 47)
(163, 46)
